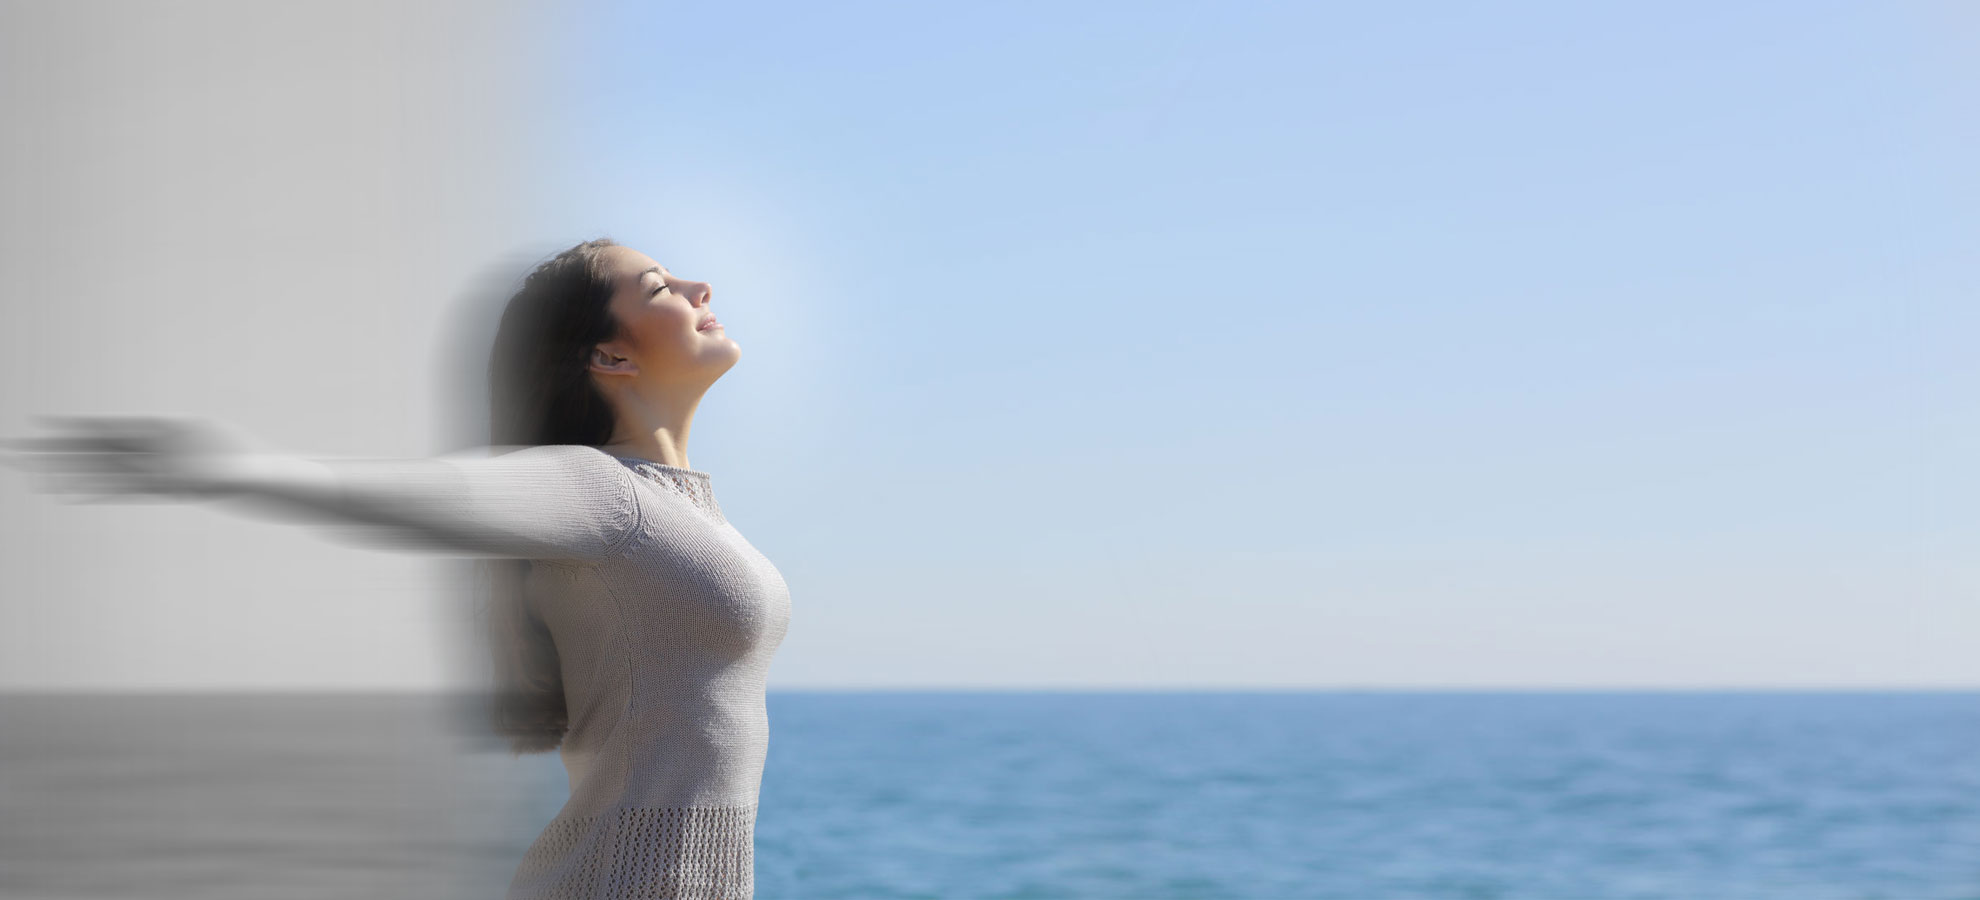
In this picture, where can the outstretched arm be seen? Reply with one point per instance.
(546, 502)
(552, 502)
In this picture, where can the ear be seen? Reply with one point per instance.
(609, 359)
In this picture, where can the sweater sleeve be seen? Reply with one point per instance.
(562, 501)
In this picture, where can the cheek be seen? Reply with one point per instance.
(680, 324)
(665, 328)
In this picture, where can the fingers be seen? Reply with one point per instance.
(101, 459)
(66, 444)
(98, 434)
(77, 459)
(123, 432)
(124, 423)
(94, 453)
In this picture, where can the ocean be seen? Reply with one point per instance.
(1352, 795)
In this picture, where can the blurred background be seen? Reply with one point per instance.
(1298, 450)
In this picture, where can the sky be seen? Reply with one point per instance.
(1537, 345)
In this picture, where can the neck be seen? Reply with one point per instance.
(653, 424)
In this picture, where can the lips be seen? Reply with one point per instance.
(707, 324)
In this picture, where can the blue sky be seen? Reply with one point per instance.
(1318, 344)
(1145, 345)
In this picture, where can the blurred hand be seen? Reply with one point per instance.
(136, 457)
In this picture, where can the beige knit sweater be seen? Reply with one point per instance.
(665, 619)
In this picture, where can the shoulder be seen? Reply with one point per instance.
(581, 476)
(569, 465)
(575, 455)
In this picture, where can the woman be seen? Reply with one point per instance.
(632, 625)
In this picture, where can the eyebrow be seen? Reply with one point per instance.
(644, 272)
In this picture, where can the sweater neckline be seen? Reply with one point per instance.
(639, 463)
(693, 484)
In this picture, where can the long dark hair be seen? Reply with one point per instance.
(540, 392)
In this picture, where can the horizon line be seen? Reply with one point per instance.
(320, 690)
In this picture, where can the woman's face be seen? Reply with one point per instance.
(668, 333)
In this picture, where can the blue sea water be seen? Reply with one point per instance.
(1373, 795)
(1362, 795)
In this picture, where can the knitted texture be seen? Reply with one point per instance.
(665, 621)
